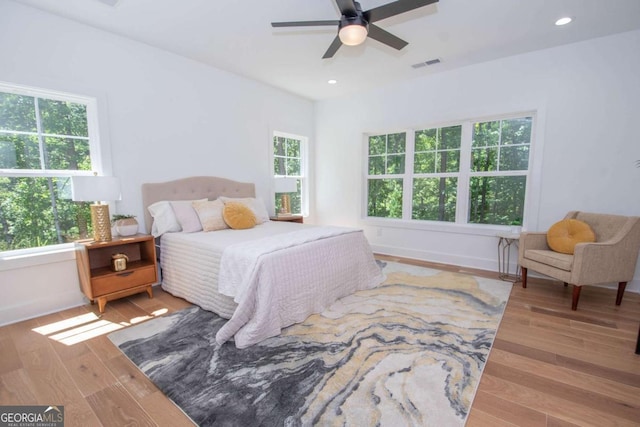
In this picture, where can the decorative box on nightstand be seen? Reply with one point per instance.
(288, 218)
(98, 280)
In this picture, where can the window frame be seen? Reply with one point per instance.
(304, 168)
(464, 175)
(95, 150)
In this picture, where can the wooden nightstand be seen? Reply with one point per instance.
(100, 283)
(292, 218)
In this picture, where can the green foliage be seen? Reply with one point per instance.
(36, 211)
(494, 197)
(434, 199)
(385, 198)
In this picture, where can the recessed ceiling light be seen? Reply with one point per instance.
(332, 81)
(563, 21)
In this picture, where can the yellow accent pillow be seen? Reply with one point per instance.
(238, 216)
(564, 235)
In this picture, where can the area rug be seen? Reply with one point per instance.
(409, 352)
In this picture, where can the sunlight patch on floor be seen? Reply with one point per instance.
(87, 326)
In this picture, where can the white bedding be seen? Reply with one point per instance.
(300, 272)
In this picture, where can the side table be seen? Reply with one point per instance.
(289, 218)
(505, 242)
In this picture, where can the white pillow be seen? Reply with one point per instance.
(164, 220)
(186, 215)
(255, 204)
(210, 215)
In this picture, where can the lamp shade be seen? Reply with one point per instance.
(95, 188)
(286, 185)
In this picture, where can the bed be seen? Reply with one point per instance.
(261, 279)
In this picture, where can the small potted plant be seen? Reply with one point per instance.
(125, 225)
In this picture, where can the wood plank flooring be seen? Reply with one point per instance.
(549, 366)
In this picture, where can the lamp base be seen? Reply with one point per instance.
(101, 223)
(285, 205)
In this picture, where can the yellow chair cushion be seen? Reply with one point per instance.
(563, 236)
(238, 216)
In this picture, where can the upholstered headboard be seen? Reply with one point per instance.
(197, 187)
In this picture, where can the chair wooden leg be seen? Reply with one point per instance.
(524, 277)
(576, 297)
(621, 287)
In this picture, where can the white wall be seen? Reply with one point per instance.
(161, 116)
(587, 98)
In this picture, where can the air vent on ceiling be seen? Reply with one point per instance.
(112, 3)
(425, 63)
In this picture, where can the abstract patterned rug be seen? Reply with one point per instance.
(409, 352)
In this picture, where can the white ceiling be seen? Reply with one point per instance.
(236, 35)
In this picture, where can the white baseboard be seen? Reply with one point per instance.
(39, 307)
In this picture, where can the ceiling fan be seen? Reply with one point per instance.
(355, 25)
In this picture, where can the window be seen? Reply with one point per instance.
(44, 139)
(472, 172)
(386, 168)
(290, 160)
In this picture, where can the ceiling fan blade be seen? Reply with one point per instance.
(304, 23)
(347, 7)
(386, 37)
(333, 48)
(394, 8)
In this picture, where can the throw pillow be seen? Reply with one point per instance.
(238, 216)
(164, 220)
(255, 204)
(564, 235)
(210, 215)
(186, 215)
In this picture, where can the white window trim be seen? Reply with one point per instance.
(461, 226)
(304, 167)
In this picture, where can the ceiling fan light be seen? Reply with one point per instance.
(353, 35)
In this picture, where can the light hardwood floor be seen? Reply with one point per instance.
(549, 366)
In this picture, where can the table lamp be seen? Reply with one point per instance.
(98, 189)
(284, 186)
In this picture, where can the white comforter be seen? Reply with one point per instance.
(281, 280)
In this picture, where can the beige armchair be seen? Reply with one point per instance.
(611, 258)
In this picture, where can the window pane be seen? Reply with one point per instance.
(497, 200)
(293, 166)
(484, 159)
(19, 152)
(424, 162)
(426, 140)
(279, 166)
(63, 118)
(486, 134)
(376, 165)
(448, 161)
(35, 213)
(395, 164)
(17, 113)
(67, 154)
(514, 158)
(396, 143)
(450, 137)
(293, 147)
(295, 200)
(377, 144)
(516, 131)
(434, 199)
(278, 146)
(384, 198)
